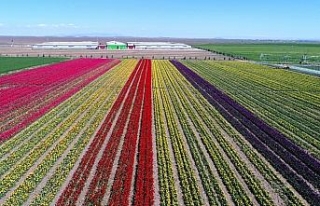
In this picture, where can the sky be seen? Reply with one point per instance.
(230, 19)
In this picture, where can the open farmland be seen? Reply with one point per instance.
(272, 52)
(155, 132)
(8, 64)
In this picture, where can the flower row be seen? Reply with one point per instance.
(260, 135)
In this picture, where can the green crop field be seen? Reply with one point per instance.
(269, 52)
(15, 63)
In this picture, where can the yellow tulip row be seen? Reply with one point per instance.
(187, 179)
(23, 191)
(181, 103)
(77, 128)
(168, 192)
(18, 148)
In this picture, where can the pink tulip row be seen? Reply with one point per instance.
(29, 94)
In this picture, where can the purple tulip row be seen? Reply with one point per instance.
(295, 164)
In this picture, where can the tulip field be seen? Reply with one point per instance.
(159, 132)
(27, 95)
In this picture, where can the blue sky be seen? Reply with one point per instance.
(269, 19)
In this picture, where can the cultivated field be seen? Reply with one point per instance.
(291, 53)
(97, 131)
(11, 63)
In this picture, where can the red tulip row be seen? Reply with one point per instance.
(29, 94)
(123, 178)
(98, 186)
(142, 109)
(144, 179)
(81, 175)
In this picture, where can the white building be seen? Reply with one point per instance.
(157, 45)
(67, 45)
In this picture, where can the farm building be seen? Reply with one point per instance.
(67, 45)
(101, 46)
(157, 45)
(115, 45)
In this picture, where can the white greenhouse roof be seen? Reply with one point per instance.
(81, 43)
(157, 44)
(67, 45)
(115, 43)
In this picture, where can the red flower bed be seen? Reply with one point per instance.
(134, 106)
(123, 178)
(73, 190)
(144, 192)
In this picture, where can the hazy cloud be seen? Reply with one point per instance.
(1, 24)
(53, 26)
(42, 25)
(64, 26)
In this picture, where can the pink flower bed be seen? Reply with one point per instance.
(29, 94)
